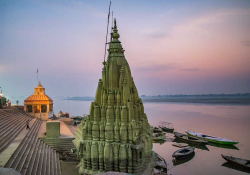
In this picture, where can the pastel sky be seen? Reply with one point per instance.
(173, 47)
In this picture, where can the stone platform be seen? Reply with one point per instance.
(65, 132)
(63, 144)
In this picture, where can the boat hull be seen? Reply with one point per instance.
(157, 131)
(240, 162)
(179, 155)
(171, 130)
(161, 164)
(159, 138)
(214, 141)
(190, 139)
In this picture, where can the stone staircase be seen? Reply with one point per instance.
(72, 128)
(61, 145)
(33, 156)
(12, 122)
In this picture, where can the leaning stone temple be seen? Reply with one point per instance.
(39, 104)
(116, 135)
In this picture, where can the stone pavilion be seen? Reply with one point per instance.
(39, 104)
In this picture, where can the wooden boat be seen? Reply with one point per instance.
(167, 127)
(159, 141)
(180, 145)
(195, 145)
(183, 153)
(182, 161)
(159, 136)
(237, 161)
(156, 129)
(213, 139)
(189, 139)
(161, 164)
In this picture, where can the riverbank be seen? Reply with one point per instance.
(201, 99)
(206, 100)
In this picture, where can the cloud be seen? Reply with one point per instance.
(213, 22)
(155, 32)
(246, 43)
(190, 70)
(156, 68)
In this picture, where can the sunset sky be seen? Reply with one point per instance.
(173, 47)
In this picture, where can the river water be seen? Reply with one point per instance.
(228, 121)
(232, 122)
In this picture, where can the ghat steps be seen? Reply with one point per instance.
(33, 156)
(72, 128)
(12, 122)
(63, 145)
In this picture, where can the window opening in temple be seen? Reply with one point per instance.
(29, 108)
(37, 109)
(44, 108)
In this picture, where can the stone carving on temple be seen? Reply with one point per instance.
(116, 135)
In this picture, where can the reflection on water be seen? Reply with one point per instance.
(228, 121)
(198, 146)
(182, 161)
(238, 168)
(224, 146)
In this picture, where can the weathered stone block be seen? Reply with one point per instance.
(53, 129)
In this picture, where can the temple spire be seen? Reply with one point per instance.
(120, 125)
(115, 34)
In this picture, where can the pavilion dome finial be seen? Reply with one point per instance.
(39, 85)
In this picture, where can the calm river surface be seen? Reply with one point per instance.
(229, 121)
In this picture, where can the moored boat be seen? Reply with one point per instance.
(183, 153)
(182, 161)
(237, 161)
(159, 136)
(156, 129)
(189, 139)
(167, 127)
(180, 145)
(210, 138)
(161, 164)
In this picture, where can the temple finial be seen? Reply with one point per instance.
(115, 34)
(39, 85)
(115, 24)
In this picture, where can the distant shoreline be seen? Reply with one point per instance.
(204, 100)
(245, 101)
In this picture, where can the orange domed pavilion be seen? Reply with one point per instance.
(39, 104)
